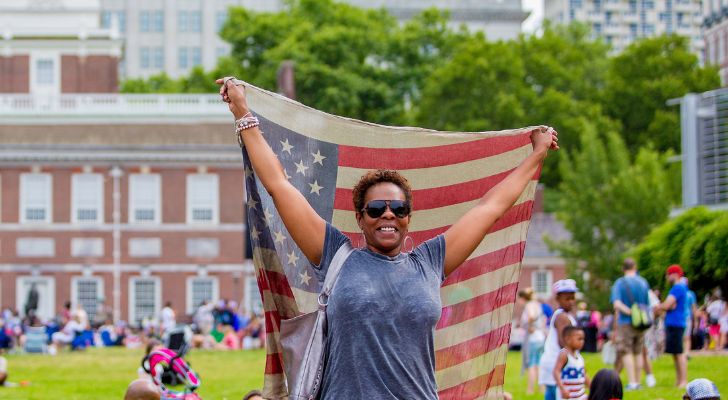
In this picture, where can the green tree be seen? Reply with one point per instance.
(640, 81)
(695, 240)
(609, 201)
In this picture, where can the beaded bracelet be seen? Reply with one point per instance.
(247, 121)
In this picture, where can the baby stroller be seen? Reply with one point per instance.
(178, 339)
(167, 363)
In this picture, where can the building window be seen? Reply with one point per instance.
(597, 28)
(158, 22)
(541, 282)
(201, 289)
(87, 198)
(721, 49)
(35, 197)
(159, 57)
(44, 72)
(144, 57)
(182, 21)
(145, 198)
(87, 292)
(106, 19)
(45, 287)
(145, 21)
(253, 303)
(122, 21)
(221, 52)
(182, 58)
(220, 19)
(195, 20)
(632, 6)
(202, 198)
(196, 56)
(144, 298)
(598, 5)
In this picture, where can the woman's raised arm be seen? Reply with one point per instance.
(463, 236)
(306, 227)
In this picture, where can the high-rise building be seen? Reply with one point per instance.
(621, 22)
(173, 36)
(715, 34)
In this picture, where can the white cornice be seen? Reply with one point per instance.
(223, 156)
(245, 267)
(125, 228)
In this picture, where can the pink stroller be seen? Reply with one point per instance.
(164, 364)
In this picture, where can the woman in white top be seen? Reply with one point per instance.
(565, 292)
(533, 321)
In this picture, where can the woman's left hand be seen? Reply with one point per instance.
(545, 139)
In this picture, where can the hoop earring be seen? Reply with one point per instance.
(363, 239)
(412, 244)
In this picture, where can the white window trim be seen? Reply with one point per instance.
(248, 295)
(216, 202)
(132, 295)
(49, 200)
(74, 288)
(191, 308)
(157, 207)
(549, 280)
(19, 296)
(45, 89)
(99, 205)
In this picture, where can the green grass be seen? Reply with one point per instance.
(105, 373)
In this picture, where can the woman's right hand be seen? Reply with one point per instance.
(234, 95)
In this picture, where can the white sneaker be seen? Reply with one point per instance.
(650, 380)
(632, 386)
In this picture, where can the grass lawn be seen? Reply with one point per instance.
(105, 373)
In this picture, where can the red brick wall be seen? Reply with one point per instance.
(15, 74)
(10, 192)
(90, 74)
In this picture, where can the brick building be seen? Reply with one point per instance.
(52, 47)
(129, 200)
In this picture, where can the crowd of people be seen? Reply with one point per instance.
(639, 328)
(215, 325)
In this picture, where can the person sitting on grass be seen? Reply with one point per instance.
(606, 385)
(701, 389)
(569, 371)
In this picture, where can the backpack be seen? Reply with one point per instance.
(641, 316)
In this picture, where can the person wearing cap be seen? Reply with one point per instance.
(565, 292)
(674, 309)
(701, 389)
(629, 290)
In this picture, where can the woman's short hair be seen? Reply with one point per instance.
(374, 177)
(605, 385)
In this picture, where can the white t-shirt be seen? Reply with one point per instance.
(551, 351)
(716, 309)
(3, 365)
(168, 318)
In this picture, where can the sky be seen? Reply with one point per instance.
(534, 20)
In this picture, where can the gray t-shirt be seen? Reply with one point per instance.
(381, 320)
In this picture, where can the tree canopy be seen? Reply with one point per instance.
(697, 241)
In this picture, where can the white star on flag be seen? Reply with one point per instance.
(301, 168)
(280, 237)
(248, 172)
(254, 233)
(318, 158)
(251, 202)
(292, 257)
(304, 277)
(286, 146)
(315, 188)
(267, 215)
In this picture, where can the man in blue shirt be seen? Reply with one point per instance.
(674, 309)
(626, 291)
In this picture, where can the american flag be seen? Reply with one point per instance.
(323, 157)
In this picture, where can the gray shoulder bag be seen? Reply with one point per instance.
(303, 338)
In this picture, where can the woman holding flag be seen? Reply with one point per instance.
(385, 305)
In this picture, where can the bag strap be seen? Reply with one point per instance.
(333, 272)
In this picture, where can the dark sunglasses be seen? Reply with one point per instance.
(376, 208)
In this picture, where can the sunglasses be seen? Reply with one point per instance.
(376, 208)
